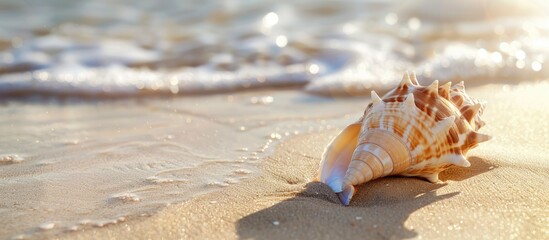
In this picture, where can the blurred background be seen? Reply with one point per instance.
(120, 48)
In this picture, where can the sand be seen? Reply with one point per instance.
(68, 164)
(503, 195)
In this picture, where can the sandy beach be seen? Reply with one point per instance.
(503, 195)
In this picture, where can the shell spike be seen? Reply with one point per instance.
(433, 177)
(413, 78)
(479, 137)
(459, 86)
(405, 80)
(444, 125)
(433, 88)
(444, 90)
(460, 160)
(469, 112)
(409, 103)
(480, 124)
(474, 138)
(376, 100)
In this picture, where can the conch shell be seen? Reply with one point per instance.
(413, 130)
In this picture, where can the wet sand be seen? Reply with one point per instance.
(503, 194)
(70, 164)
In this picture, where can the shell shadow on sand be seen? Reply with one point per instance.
(379, 209)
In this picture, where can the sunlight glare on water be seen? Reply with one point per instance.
(117, 49)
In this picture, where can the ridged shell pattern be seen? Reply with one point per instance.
(413, 130)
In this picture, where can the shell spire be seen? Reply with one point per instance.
(371, 161)
(412, 131)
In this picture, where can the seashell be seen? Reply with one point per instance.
(412, 131)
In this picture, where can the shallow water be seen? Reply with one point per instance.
(120, 48)
(72, 157)
(69, 164)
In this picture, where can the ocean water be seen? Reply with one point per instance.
(121, 48)
(111, 110)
